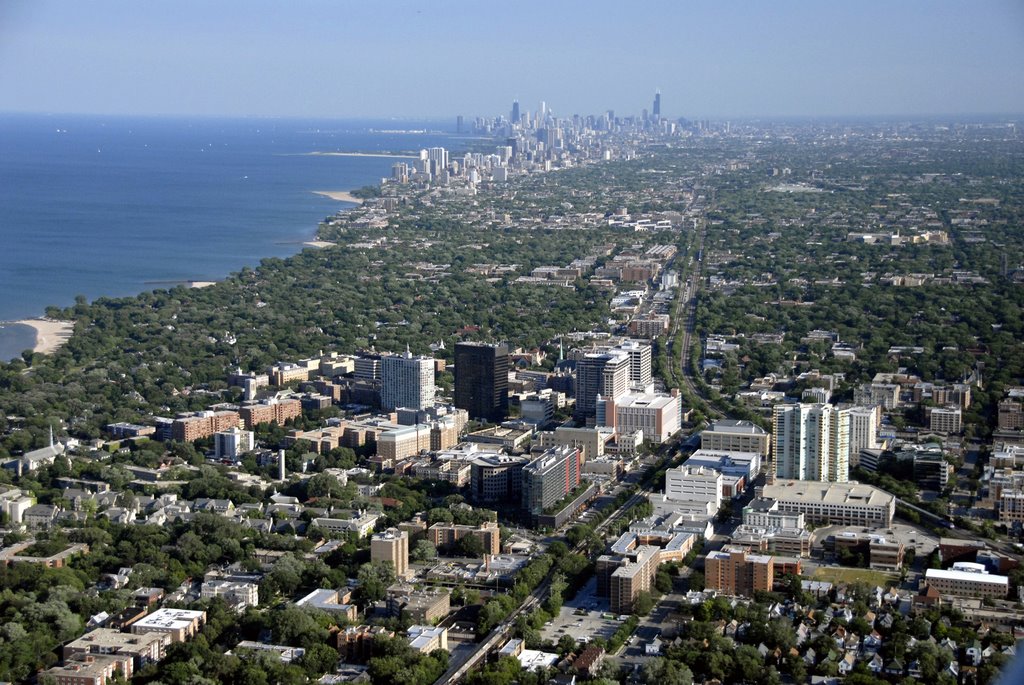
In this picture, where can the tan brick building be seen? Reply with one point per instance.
(735, 572)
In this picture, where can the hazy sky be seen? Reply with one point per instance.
(439, 58)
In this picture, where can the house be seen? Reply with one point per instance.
(876, 664)
(894, 667)
(653, 648)
(847, 663)
(589, 661)
(872, 642)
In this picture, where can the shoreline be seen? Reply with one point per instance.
(51, 334)
(339, 195)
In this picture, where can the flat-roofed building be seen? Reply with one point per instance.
(496, 477)
(766, 529)
(91, 669)
(945, 419)
(355, 643)
(391, 546)
(850, 503)
(180, 624)
(729, 462)
(407, 381)
(426, 639)
(658, 416)
(550, 477)
(445, 535)
(270, 410)
(362, 524)
(233, 443)
(694, 484)
(967, 579)
(238, 594)
(811, 442)
(729, 435)
(334, 601)
(418, 604)
(733, 571)
(144, 648)
(590, 441)
(191, 427)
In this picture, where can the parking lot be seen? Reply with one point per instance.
(584, 617)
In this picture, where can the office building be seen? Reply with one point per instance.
(812, 442)
(407, 381)
(549, 478)
(728, 435)
(851, 504)
(656, 110)
(694, 484)
(481, 380)
(967, 579)
(391, 546)
(733, 571)
(657, 416)
(495, 478)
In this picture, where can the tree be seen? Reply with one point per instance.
(469, 546)
(424, 551)
(318, 659)
(643, 603)
(566, 644)
(374, 579)
(661, 671)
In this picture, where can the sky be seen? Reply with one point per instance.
(440, 58)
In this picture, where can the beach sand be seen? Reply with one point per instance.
(318, 243)
(50, 334)
(339, 195)
(201, 284)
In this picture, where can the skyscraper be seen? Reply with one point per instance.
(656, 111)
(515, 112)
(811, 442)
(407, 381)
(391, 546)
(481, 380)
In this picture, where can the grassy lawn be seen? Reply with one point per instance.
(852, 575)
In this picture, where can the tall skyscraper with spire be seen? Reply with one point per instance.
(515, 112)
(656, 112)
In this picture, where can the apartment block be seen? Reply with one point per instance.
(91, 669)
(391, 546)
(550, 477)
(967, 579)
(270, 410)
(445, 535)
(179, 624)
(191, 427)
(733, 571)
(811, 442)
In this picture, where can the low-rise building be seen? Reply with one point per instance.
(833, 503)
(237, 594)
(426, 639)
(967, 579)
(728, 435)
(334, 601)
(144, 648)
(445, 535)
(419, 604)
(179, 624)
(91, 669)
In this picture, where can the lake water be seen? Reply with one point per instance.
(106, 206)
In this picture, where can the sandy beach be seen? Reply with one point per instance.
(339, 195)
(50, 334)
(318, 243)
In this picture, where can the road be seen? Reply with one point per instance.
(458, 670)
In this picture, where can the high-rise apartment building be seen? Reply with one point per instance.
(392, 546)
(811, 442)
(481, 380)
(600, 373)
(550, 477)
(863, 430)
(407, 381)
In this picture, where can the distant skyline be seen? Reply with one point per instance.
(437, 59)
